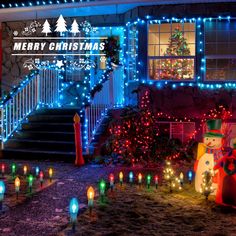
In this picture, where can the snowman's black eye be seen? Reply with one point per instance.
(207, 163)
(214, 140)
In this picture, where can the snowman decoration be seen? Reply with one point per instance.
(208, 153)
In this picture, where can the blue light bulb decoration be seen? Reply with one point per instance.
(36, 170)
(190, 176)
(131, 177)
(74, 209)
(2, 190)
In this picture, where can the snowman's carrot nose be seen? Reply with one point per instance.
(209, 144)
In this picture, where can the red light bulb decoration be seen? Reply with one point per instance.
(156, 180)
(3, 169)
(111, 180)
(41, 178)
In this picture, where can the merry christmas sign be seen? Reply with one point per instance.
(59, 39)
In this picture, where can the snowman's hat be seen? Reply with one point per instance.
(214, 128)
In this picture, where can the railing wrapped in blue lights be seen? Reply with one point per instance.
(111, 95)
(39, 89)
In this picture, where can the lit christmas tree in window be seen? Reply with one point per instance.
(177, 68)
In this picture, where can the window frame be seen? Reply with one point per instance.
(218, 56)
(172, 57)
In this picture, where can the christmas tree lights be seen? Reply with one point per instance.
(206, 186)
(169, 175)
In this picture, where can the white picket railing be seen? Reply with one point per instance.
(41, 89)
(111, 95)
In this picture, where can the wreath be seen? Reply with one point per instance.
(226, 167)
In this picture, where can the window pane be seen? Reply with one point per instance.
(153, 38)
(177, 26)
(190, 37)
(164, 38)
(165, 28)
(172, 69)
(189, 27)
(153, 28)
(221, 69)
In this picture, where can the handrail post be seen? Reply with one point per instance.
(2, 128)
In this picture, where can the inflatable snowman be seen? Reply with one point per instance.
(209, 152)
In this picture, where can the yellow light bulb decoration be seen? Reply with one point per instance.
(90, 193)
(50, 173)
(121, 176)
(25, 170)
(17, 182)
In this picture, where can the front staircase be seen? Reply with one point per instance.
(47, 134)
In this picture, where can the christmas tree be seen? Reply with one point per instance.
(46, 28)
(61, 25)
(177, 68)
(75, 27)
(206, 186)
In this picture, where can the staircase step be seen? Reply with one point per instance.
(51, 118)
(57, 111)
(55, 127)
(29, 154)
(44, 135)
(43, 145)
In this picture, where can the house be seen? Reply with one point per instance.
(182, 52)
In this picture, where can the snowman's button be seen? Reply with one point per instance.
(207, 163)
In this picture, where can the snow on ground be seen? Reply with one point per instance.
(126, 211)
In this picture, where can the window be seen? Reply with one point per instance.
(171, 51)
(220, 50)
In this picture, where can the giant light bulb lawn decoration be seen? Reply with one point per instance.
(2, 192)
(17, 186)
(90, 196)
(121, 176)
(74, 209)
(30, 181)
(102, 188)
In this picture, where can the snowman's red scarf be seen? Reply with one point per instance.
(216, 152)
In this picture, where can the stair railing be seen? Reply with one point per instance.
(111, 95)
(42, 89)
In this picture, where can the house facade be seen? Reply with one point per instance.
(182, 52)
